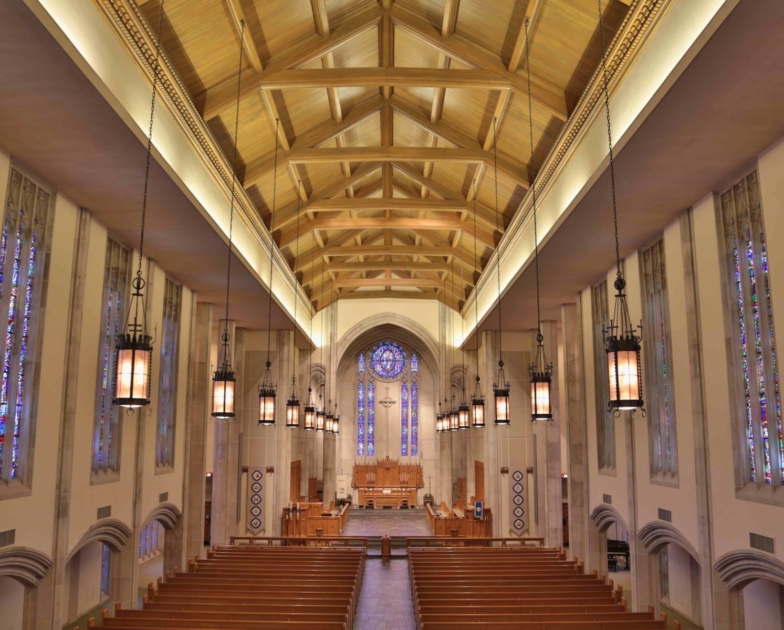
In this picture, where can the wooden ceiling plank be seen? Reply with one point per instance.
(217, 98)
(388, 154)
(553, 100)
(441, 130)
(386, 282)
(413, 205)
(238, 16)
(379, 77)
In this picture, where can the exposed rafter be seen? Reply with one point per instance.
(383, 77)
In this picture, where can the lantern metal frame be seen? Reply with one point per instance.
(310, 412)
(224, 380)
(501, 396)
(541, 374)
(478, 405)
(622, 339)
(267, 398)
(292, 406)
(321, 416)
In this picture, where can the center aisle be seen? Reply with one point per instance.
(385, 601)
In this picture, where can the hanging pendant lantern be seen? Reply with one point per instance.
(292, 407)
(224, 380)
(267, 392)
(454, 417)
(463, 413)
(336, 422)
(223, 385)
(478, 406)
(621, 338)
(541, 384)
(439, 419)
(310, 412)
(624, 355)
(133, 358)
(501, 394)
(133, 349)
(329, 420)
(321, 416)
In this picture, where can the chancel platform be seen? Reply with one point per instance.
(387, 483)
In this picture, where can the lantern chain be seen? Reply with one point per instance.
(272, 239)
(610, 142)
(498, 249)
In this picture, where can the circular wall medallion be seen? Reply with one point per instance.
(255, 511)
(518, 488)
(255, 523)
(256, 475)
(519, 524)
(517, 475)
(518, 512)
(256, 487)
(517, 500)
(255, 499)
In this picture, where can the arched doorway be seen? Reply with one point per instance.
(755, 581)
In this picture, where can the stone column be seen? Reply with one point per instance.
(196, 433)
(53, 613)
(282, 435)
(172, 549)
(576, 430)
(221, 467)
(548, 444)
(488, 363)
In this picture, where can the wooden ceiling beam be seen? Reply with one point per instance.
(553, 100)
(216, 99)
(360, 205)
(380, 77)
(382, 265)
(314, 137)
(384, 223)
(238, 17)
(383, 281)
(388, 154)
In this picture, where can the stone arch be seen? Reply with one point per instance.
(658, 534)
(27, 566)
(167, 514)
(605, 515)
(382, 325)
(110, 531)
(740, 568)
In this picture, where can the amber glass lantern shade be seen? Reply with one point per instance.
(321, 417)
(478, 412)
(223, 385)
(132, 367)
(623, 356)
(501, 395)
(336, 425)
(266, 407)
(454, 420)
(310, 417)
(292, 413)
(463, 416)
(541, 374)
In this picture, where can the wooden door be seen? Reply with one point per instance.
(296, 472)
(462, 490)
(479, 481)
(312, 489)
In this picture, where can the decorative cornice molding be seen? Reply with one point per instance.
(628, 41)
(657, 534)
(131, 27)
(29, 566)
(739, 568)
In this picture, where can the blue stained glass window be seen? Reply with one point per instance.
(404, 419)
(167, 395)
(774, 358)
(414, 364)
(361, 419)
(387, 361)
(371, 419)
(361, 363)
(414, 419)
(106, 557)
(20, 254)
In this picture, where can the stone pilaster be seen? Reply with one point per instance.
(548, 444)
(576, 430)
(53, 613)
(196, 433)
(282, 435)
(222, 472)
(489, 351)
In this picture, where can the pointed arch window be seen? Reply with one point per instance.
(755, 369)
(22, 253)
(371, 419)
(404, 419)
(167, 394)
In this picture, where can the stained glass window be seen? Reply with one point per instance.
(21, 250)
(371, 419)
(361, 363)
(150, 540)
(759, 406)
(167, 394)
(414, 364)
(387, 361)
(659, 375)
(106, 443)
(604, 420)
(106, 559)
(404, 419)
(414, 419)
(361, 419)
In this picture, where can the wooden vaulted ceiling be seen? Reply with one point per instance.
(386, 111)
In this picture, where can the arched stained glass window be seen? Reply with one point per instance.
(361, 363)
(404, 419)
(361, 419)
(414, 418)
(371, 419)
(414, 364)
